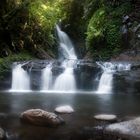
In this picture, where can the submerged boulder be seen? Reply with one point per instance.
(41, 118)
(64, 109)
(106, 117)
(2, 134)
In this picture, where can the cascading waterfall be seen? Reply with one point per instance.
(66, 80)
(65, 44)
(105, 83)
(46, 78)
(20, 79)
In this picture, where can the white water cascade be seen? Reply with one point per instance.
(66, 80)
(106, 80)
(20, 79)
(65, 44)
(46, 78)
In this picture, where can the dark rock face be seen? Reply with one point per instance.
(56, 70)
(129, 79)
(35, 65)
(86, 73)
(41, 118)
(2, 134)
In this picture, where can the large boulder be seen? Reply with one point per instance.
(41, 118)
(128, 129)
(2, 134)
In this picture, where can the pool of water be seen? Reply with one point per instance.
(85, 106)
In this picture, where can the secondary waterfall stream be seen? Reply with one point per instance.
(46, 82)
(105, 83)
(20, 79)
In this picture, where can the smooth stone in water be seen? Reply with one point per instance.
(2, 134)
(106, 117)
(64, 109)
(41, 118)
(127, 129)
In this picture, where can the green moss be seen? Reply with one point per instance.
(95, 31)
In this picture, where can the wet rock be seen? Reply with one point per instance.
(56, 70)
(35, 65)
(128, 129)
(64, 109)
(88, 66)
(106, 117)
(41, 118)
(85, 73)
(2, 134)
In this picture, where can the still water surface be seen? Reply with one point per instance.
(85, 106)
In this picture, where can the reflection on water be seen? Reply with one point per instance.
(85, 106)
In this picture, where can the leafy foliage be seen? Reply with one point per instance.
(95, 31)
(47, 13)
(103, 32)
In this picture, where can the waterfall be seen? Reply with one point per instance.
(66, 80)
(20, 79)
(105, 83)
(46, 78)
(65, 44)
